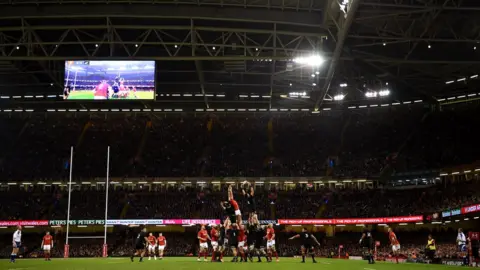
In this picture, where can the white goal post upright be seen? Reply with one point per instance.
(107, 183)
(104, 252)
(66, 250)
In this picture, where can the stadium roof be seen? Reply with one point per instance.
(214, 54)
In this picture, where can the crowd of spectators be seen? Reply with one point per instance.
(177, 202)
(349, 143)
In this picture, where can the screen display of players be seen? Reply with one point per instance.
(105, 80)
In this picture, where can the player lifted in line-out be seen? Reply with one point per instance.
(235, 206)
(140, 243)
(47, 245)
(249, 194)
(270, 236)
(152, 243)
(162, 244)
(394, 243)
(203, 237)
(215, 236)
(17, 243)
(366, 241)
(307, 244)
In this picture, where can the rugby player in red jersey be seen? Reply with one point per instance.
(162, 244)
(102, 91)
(203, 237)
(215, 235)
(242, 239)
(271, 242)
(235, 206)
(47, 245)
(152, 242)
(394, 243)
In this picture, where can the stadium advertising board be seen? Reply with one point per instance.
(161, 221)
(76, 222)
(347, 221)
(24, 222)
(451, 213)
(109, 80)
(471, 209)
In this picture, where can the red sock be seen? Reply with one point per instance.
(396, 258)
(276, 255)
(205, 254)
(199, 254)
(221, 255)
(213, 255)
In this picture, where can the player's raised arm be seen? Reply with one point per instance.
(230, 192)
(315, 239)
(361, 239)
(294, 237)
(222, 204)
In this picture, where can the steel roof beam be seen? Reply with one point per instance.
(341, 37)
(161, 11)
(299, 5)
(404, 6)
(409, 39)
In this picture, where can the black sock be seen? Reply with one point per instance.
(303, 258)
(313, 257)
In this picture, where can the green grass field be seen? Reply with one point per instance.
(88, 95)
(177, 263)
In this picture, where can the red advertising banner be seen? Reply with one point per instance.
(471, 209)
(24, 222)
(347, 221)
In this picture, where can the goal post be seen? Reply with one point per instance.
(66, 252)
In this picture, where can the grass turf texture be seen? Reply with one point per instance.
(181, 263)
(88, 95)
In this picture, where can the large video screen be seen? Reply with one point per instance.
(102, 80)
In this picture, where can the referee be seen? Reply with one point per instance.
(307, 244)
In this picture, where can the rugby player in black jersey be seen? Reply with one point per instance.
(367, 244)
(308, 241)
(232, 233)
(229, 211)
(251, 228)
(259, 245)
(140, 244)
(249, 194)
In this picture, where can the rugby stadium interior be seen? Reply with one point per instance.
(344, 118)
